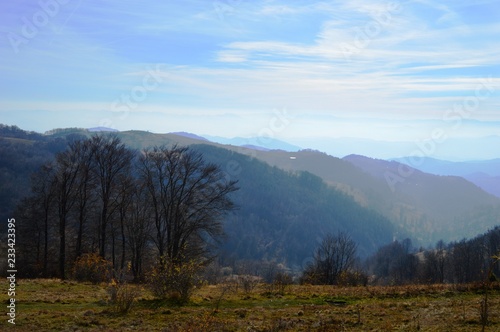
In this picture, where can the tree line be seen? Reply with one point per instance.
(458, 262)
(162, 205)
(335, 262)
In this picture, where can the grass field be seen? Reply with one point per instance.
(52, 305)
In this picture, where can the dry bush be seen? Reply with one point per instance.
(174, 281)
(92, 267)
(248, 283)
(352, 278)
(280, 283)
(122, 296)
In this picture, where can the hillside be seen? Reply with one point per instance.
(483, 173)
(424, 206)
(434, 206)
(427, 207)
(282, 216)
(285, 214)
(21, 154)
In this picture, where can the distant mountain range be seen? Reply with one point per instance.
(441, 167)
(484, 173)
(258, 143)
(438, 200)
(456, 149)
(374, 200)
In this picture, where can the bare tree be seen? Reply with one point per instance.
(335, 255)
(111, 158)
(31, 228)
(188, 198)
(468, 260)
(84, 191)
(434, 266)
(43, 188)
(67, 170)
(125, 197)
(138, 228)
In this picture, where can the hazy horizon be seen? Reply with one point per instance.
(419, 76)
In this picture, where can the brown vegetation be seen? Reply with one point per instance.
(53, 305)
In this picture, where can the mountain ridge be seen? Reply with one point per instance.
(408, 208)
(260, 142)
(483, 173)
(281, 215)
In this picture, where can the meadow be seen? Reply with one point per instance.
(54, 305)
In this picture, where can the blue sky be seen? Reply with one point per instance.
(303, 71)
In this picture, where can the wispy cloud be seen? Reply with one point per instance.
(361, 60)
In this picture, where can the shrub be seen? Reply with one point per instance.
(353, 278)
(281, 281)
(92, 267)
(121, 296)
(175, 281)
(248, 282)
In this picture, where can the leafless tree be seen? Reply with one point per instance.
(188, 196)
(335, 255)
(67, 169)
(43, 188)
(433, 269)
(138, 228)
(85, 193)
(111, 158)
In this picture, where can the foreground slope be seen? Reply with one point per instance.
(53, 305)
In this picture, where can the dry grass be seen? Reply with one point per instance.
(52, 305)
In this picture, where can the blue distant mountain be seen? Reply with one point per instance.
(484, 173)
(456, 149)
(256, 143)
(458, 168)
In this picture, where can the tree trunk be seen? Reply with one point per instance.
(62, 246)
(102, 249)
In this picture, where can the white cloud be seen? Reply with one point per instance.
(253, 57)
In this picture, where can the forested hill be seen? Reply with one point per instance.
(282, 216)
(21, 154)
(431, 206)
(428, 207)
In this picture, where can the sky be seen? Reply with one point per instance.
(407, 74)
